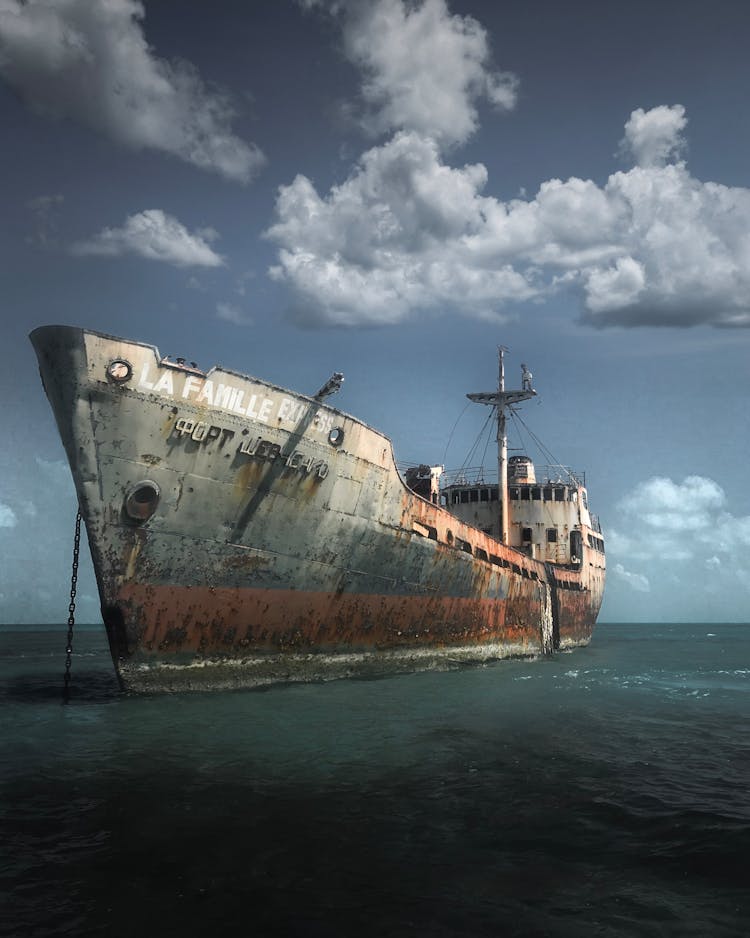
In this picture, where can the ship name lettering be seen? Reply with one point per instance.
(307, 464)
(234, 400)
(302, 462)
(263, 449)
(291, 410)
(200, 431)
(165, 384)
(225, 396)
(323, 421)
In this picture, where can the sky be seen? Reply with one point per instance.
(391, 190)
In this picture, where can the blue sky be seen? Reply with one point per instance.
(391, 190)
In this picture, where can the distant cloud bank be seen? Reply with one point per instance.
(679, 531)
(157, 236)
(88, 60)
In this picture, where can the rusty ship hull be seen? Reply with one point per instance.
(243, 534)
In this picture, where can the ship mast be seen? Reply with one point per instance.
(502, 399)
(502, 449)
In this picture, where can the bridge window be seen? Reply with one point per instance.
(484, 495)
(551, 535)
(536, 493)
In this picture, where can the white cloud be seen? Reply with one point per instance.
(424, 68)
(691, 241)
(406, 232)
(616, 286)
(8, 517)
(89, 60)
(681, 533)
(636, 581)
(233, 314)
(655, 137)
(155, 235)
(694, 504)
(395, 237)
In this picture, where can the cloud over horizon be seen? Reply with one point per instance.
(156, 236)
(89, 60)
(679, 530)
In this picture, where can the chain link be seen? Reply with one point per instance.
(72, 607)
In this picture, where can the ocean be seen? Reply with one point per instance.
(605, 792)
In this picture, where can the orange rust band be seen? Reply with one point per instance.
(223, 620)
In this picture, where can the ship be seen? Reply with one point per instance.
(244, 535)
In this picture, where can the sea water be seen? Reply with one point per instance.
(602, 792)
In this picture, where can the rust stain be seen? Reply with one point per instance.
(211, 620)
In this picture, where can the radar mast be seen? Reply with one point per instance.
(501, 399)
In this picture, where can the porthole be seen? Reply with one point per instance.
(141, 500)
(336, 436)
(119, 370)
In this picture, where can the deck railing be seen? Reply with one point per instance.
(481, 475)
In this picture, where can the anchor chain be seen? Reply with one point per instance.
(72, 606)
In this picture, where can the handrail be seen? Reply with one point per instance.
(480, 475)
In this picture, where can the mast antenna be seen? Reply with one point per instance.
(501, 399)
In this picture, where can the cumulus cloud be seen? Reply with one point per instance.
(393, 238)
(675, 529)
(655, 137)
(424, 68)
(157, 236)
(406, 232)
(89, 60)
(691, 505)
